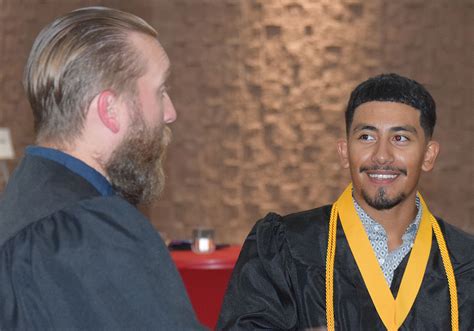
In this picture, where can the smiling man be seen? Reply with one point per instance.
(75, 252)
(376, 259)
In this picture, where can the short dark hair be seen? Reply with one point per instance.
(394, 88)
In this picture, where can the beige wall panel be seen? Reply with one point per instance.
(260, 87)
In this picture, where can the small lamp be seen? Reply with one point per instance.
(6, 152)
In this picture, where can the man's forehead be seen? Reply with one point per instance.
(148, 45)
(166, 64)
(385, 113)
(152, 53)
(385, 108)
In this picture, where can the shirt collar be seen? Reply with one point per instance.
(374, 229)
(77, 166)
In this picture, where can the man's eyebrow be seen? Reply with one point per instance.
(407, 128)
(363, 126)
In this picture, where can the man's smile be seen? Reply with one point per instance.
(383, 175)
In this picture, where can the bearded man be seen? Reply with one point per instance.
(376, 259)
(75, 253)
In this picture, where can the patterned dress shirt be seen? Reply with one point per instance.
(388, 261)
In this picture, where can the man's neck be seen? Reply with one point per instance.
(395, 220)
(79, 153)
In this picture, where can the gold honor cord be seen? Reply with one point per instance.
(391, 311)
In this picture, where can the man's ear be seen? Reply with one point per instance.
(107, 109)
(431, 153)
(343, 152)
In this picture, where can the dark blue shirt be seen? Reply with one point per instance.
(75, 165)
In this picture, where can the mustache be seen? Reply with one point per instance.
(385, 168)
(166, 136)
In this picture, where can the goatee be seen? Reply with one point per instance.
(381, 201)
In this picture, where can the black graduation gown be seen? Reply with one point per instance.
(73, 259)
(279, 280)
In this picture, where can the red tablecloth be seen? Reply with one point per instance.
(205, 277)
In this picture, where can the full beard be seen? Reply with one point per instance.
(380, 201)
(135, 168)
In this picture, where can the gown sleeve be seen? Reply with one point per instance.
(259, 295)
(461, 248)
(93, 268)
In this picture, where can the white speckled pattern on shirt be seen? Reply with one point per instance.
(388, 261)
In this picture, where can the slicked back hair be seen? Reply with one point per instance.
(73, 59)
(394, 88)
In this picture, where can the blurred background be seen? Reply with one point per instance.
(260, 87)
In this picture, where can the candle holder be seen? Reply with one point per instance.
(203, 241)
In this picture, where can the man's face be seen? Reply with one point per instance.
(156, 106)
(135, 168)
(386, 150)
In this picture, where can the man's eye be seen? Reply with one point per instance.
(399, 138)
(367, 137)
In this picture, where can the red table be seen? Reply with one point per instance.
(205, 277)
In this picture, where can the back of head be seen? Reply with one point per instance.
(394, 88)
(73, 59)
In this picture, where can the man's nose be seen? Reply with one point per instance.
(383, 153)
(169, 111)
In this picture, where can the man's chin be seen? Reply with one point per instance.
(382, 200)
(137, 190)
(136, 171)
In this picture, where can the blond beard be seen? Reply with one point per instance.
(135, 168)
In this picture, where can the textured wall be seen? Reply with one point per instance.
(260, 88)
(432, 41)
